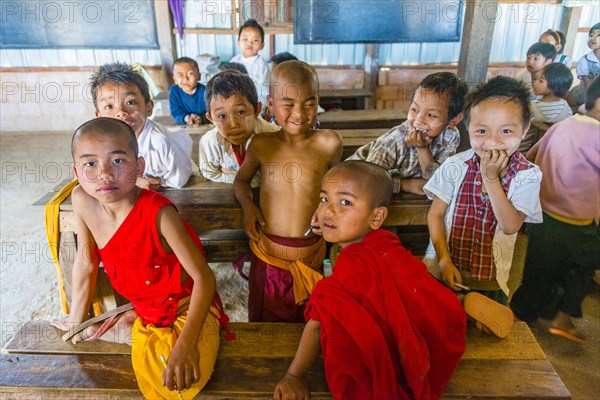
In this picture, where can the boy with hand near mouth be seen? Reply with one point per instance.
(186, 96)
(412, 151)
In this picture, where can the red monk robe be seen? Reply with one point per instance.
(389, 330)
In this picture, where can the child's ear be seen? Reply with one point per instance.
(98, 114)
(549, 61)
(140, 165)
(75, 170)
(208, 117)
(270, 102)
(526, 130)
(558, 47)
(149, 107)
(456, 120)
(258, 109)
(379, 216)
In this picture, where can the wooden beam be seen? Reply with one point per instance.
(166, 43)
(476, 42)
(570, 26)
(371, 67)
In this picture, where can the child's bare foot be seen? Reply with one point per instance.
(491, 316)
(562, 325)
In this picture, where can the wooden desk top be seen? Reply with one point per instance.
(359, 119)
(334, 92)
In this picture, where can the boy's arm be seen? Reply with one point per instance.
(176, 164)
(294, 384)
(177, 112)
(493, 165)
(183, 362)
(243, 192)
(437, 231)
(210, 166)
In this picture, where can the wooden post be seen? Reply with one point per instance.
(569, 26)
(476, 41)
(371, 69)
(164, 29)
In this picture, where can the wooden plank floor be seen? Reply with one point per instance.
(40, 363)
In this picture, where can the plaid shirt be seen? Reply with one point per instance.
(392, 153)
(474, 222)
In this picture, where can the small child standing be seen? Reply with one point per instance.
(387, 328)
(234, 109)
(558, 40)
(292, 161)
(151, 256)
(412, 151)
(563, 251)
(552, 84)
(251, 40)
(538, 56)
(482, 196)
(118, 91)
(186, 96)
(588, 67)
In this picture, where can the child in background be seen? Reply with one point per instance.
(251, 40)
(564, 250)
(292, 161)
(408, 353)
(234, 109)
(412, 151)
(235, 66)
(538, 56)
(482, 196)
(588, 67)
(281, 57)
(558, 40)
(151, 256)
(552, 84)
(118, 91)
(186, 96)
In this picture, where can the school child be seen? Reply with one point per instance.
(251, 40)
(588, 67)
(234, 109)
(281, 57)
(411, 152)
(118, 91)
(552, 83)
(186, 96)
(151, 256)
(286, 264)
(539, 55)
(482, 196)
(558, 40)
(387, 328)
(564, 250)
(235, 66)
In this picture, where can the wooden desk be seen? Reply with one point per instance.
(40, 365)
(346, 99)
(361, 119)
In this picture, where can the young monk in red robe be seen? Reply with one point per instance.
(386, 327)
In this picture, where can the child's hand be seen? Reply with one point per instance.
(316, 225)
(66, 324)
(193, 119)
(417, 138)
(292, 387)
(183, 367)
(450, 275)
(252, 217)
(148, 182)
(493, 164)
(413, 185)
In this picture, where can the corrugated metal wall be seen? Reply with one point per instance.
(517, 27)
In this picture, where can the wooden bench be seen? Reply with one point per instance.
(38, 364)
(345, 99)
(361, 119)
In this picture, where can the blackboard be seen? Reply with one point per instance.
(377, 21)
(43, 24)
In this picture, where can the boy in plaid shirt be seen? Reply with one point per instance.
(482, 196)
(411, 152)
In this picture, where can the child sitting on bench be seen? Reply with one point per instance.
(152, 257)
(387, 328)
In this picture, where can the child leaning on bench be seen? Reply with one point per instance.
(387, 328)
(234, 108)
(412, 151)
(118, 91)
(286, 264)
(186, 96)
(151, 256)
(482, 196)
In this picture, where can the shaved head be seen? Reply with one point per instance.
(375, 180)
(106, 127)
(294, 71)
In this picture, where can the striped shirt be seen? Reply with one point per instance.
(550, 111)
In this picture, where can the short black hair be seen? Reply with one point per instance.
(547, 50)
(375, 178)
(251, 23)
(281, 57)
(559, 78)
(502, 87)
(120, 74)
(228, 83)
(596, 27)
(187, 60)
(233, 65)
(108, 126)
(558, 36)
(592, 94)
(447, 84)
